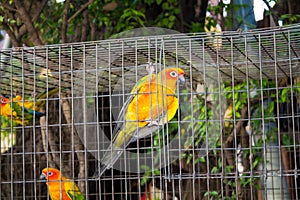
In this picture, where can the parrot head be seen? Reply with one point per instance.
(170, 76)
(3, 100)
(51, 174)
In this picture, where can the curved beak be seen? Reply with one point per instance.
(181, 80)
(43, 177)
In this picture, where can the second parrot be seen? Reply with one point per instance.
(152, 103)
(59, 186)
(22, 111)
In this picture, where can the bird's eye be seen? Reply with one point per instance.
(50, 173)
(173, 74)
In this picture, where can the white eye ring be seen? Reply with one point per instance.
(50, 173)
(173, 74)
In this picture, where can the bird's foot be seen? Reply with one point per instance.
(154, 123)
(150, 69)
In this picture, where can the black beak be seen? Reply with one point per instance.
(181, 80)
(43, 177)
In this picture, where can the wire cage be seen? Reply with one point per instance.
(233, 133)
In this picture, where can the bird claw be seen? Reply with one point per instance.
(154, 123)
(150, 69)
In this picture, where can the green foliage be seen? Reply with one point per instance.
(292, 18)
(126, 15)
(8, 133)
(130, 19)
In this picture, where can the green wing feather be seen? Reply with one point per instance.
(73, 191)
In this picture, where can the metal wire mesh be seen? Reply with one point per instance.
(234, 136)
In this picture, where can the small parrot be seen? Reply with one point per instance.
(19, 114)
(22, 111)
(151, 104)
(59, 186)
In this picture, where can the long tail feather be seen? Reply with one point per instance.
(41, 98)
(108, 161)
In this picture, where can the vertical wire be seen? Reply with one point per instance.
(160, 132)
(33, 131)
(262, 118)
(60, 116)
(278, 117)
(206, 128)
(220, 115)
(165, 113)
(234, 112)
(98, 129)
(11, 128)
(23, 119)
(151, 145)
(152, 140)
(178, 120)
(123, 91)
(293, 115)
(110, 110)
(85, 122)
(47, 113)
(249, 118)
(164, 131)
(192, 116)
(72, 115)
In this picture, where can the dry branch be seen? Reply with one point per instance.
(64, 27)
(24, 15)
(80, 10)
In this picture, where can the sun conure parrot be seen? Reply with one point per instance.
(151, 104)
(59, 186)
(20, 115)
(22, 111)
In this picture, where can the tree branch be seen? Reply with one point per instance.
(202, 14)
(32, 32)
(9, 7)
(81, 10)
(23, 29)
(64, 27)
(85, 24)
(93, 30)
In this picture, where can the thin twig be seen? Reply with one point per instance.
(80, 10)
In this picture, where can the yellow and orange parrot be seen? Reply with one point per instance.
(151, 104)
(20, 115)
(22, 111)
(60, 187)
